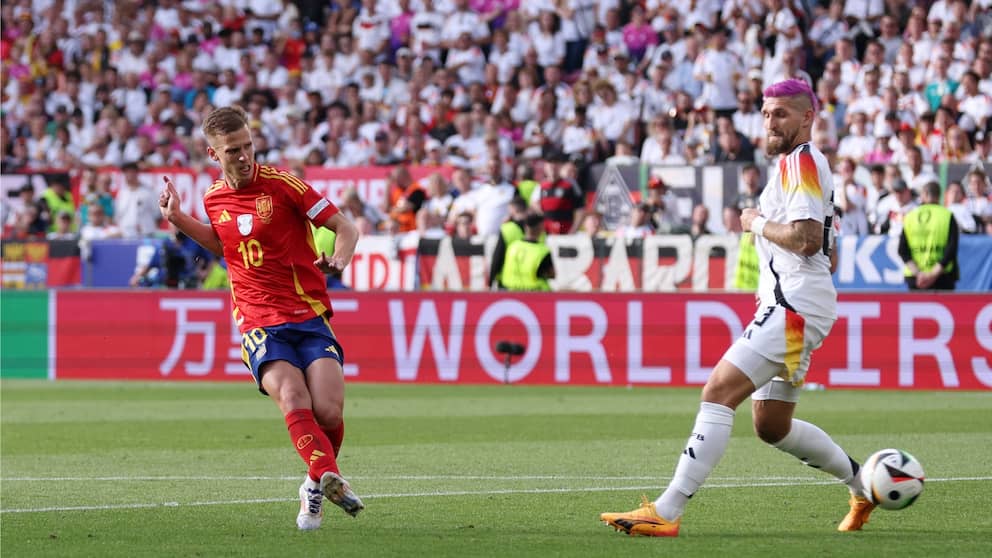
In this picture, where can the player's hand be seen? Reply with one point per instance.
(330, 264)
(748, 216)
(168, 200)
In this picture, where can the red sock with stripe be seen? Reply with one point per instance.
(336, 436)
(311, 443)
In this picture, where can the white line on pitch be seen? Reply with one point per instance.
(373, 478)
(430, 494)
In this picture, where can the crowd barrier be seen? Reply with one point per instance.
(903, 341)
(661, 263)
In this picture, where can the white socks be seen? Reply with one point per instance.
(703, 451)
(814, 447)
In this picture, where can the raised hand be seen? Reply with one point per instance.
(168, 200)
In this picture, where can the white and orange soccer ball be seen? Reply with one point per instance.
(892, 479)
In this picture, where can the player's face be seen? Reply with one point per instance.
(235, 153)
(784, 118)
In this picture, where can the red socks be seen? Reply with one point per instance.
(336, 436)
(311, 442)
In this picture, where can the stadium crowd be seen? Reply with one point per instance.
(519, 98)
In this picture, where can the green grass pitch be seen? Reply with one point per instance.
(197, 469)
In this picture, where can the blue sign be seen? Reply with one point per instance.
(872, 263)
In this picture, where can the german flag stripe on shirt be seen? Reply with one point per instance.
(798, 170)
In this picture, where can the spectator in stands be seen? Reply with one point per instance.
(750, 189)
(719, 70)
(23, 217)
(957, 147)
(747, 119)
(560, 197)
(881, 153)
(623, 155)
(781, 31)
(978, 201)
(858, 142)
(547, 39)
(918, 173)
(639, 223)
(731, 146)
(827, 30)
(894, 207)
(906, 141)
(136, 205)
(874, 194)
(99, 227)
(489, 201)
(954, 198)
(592, 225)
(612, 120)
(983, 144)
(578, 138)
(433, 213)
(940, 83)
(464, 227)
(64, 227)
(663, 206)
(850, 197)
(731, 217)
(662, 147)
(973, 103)
(699, 223)
(405, 197)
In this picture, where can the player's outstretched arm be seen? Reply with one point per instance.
(203, 234)
(345, 239)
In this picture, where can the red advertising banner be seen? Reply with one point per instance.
(879, 341)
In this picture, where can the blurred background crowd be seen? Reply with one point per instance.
(518, 98)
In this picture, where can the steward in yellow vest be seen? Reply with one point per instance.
(509, 232)
(746, 272)
(929, 243)
(57, 199)
(528, 263)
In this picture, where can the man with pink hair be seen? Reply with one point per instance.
(792, 227)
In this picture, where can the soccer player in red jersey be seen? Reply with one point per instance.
(259, 221)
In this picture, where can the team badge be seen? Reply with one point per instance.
(263, 207)
(244, 224)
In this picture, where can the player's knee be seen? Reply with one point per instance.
(770, 432)
(290, 396)
(328, 416)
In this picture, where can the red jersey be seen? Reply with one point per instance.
(265, 230)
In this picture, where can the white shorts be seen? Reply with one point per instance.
(778, 343)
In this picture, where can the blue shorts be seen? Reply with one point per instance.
(297, 343)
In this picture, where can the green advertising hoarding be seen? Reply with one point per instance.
(23, 334)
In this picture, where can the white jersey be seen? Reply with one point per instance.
(800, 188)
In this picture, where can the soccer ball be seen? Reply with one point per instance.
(892, 479)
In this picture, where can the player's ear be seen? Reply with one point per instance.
(211, 153)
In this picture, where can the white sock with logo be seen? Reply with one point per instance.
(814, 447)
(706, 446)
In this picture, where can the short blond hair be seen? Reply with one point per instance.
(225, 120)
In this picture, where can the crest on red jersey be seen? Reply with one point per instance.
(245, 224)
(263, 207)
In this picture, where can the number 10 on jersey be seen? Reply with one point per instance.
(251, 253)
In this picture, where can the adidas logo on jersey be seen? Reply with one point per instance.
(224, 217)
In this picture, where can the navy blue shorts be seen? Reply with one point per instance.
(297, 343)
